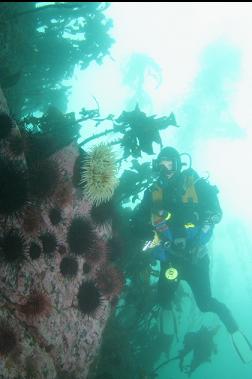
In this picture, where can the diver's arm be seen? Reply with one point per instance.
(210, 209)
(209, 214)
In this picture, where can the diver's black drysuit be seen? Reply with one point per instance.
(192, 266)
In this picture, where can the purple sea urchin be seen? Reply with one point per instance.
(13, 187)
(98, 254)
(109, 281)
(6, 125)
(44, 177)
(89, 298)
(16, 145)
(80, 236)
(99, 174)
(38, 146)
(8, 339)
(69, 267)
(55, 216)
(86, 268)
(13, 246)
(37, 305)
(115, 248)
(49, 243)
(34, 251)
(102, 213)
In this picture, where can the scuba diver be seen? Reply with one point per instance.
(180, 210)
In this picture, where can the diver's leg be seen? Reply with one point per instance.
(199, 281)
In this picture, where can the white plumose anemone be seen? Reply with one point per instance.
(99, 174)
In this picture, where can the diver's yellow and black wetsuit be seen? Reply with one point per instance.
(182, 214)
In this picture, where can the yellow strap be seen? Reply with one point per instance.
(189, 225)
(157, 194)
(190, 194)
